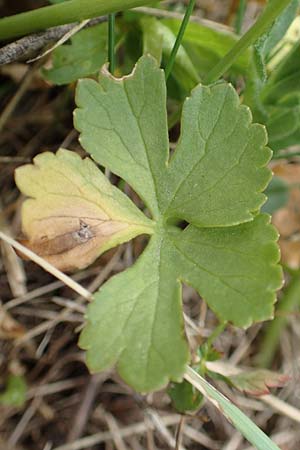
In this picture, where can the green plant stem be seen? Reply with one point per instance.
(179, 38)
(262, 24)
(62, 13)
(111, 42)
(240, 16)
(270, 341)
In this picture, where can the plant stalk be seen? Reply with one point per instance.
(179, 38)
(263, 23)
(111, 42)
(60, 14)
(240, 16)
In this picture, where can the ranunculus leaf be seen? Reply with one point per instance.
(214, 181)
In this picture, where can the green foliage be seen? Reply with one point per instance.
(184, 72)
(185, 398)
(15, 392)
(267, 41)
(83, 57)
(238, 419)
(204, 199)
(213, 181)
(278, 195)
(206, 46)
(274, 97)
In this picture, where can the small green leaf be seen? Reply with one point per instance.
(185, 397)
(15, 392)
(83, 57)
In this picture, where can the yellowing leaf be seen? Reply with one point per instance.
(74, 213)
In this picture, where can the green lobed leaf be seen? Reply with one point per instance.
(219, 167)
(84, 56)
(214, 181)
(136, 321)
(218, 143)
(233, 269)
(123, 125)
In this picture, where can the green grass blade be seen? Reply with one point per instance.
(238, 419)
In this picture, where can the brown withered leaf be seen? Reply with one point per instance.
(258, 382)
(74, 213)
(251, 381)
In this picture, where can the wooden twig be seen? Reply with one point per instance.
(28, 46)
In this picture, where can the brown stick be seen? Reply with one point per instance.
(28, 46)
